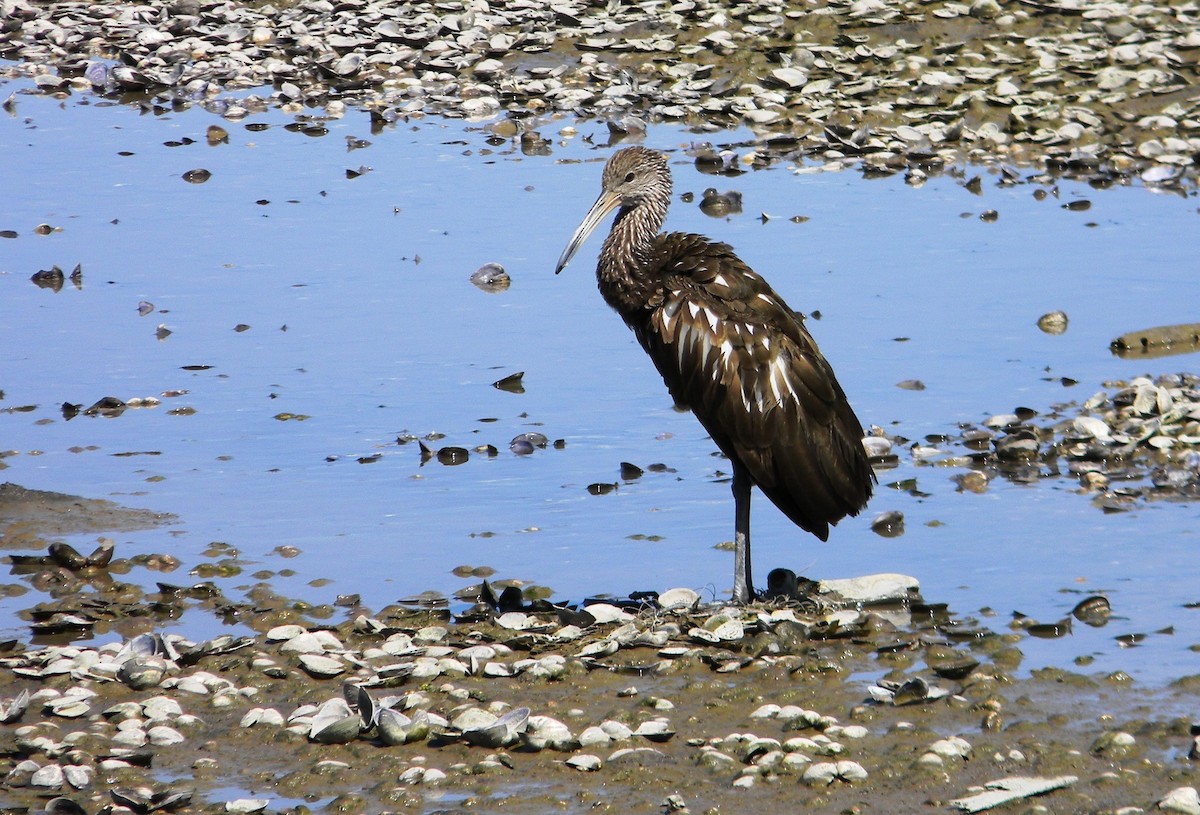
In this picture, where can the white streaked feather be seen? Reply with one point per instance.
(687, 342)
(670, 315)
(781, 380)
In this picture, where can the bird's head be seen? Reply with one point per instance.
(633, 177)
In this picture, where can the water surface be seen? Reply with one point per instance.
(291, 289)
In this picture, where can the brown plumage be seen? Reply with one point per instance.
(730, 349)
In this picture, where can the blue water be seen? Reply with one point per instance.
(361, 317)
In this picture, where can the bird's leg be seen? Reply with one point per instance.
(743, 586)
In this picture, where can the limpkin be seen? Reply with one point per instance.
(730, 349)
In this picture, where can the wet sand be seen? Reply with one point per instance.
(1126, 746)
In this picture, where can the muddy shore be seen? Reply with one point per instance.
(898, 709)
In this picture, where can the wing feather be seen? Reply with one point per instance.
(730, 349)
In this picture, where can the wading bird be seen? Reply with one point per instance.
(730, 350)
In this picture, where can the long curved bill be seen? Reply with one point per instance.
(605, 204)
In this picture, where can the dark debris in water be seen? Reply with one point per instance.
(513, 383)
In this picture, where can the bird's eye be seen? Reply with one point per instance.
(629, 177)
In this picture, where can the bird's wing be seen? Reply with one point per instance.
(731, 350)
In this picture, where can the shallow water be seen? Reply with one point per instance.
(362, 318)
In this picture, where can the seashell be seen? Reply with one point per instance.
(244, 806)
(477, 652)
(1090, 426)
(1094, 611)
(789, 77)
(497, 669)
(651, 639)
(303, 643)
(516, 621)
(1019, 445)
(259, 715)
(396, 728)
(140, 673)
(143, 800)
(888, 524)
(49, 777)
(594, 737)
(346, 66)
(285, 632)
(11, 710)
(413, 775)
(584, 762)
(1180, 799)
(431, 634)
(656, 730)
(433, 775)
(954, 666)
(357, 698)
(642, 756)
(1054, 322)
(133, 736)
(827, 772)
(336, 731)
(916, 690)
(78, 776)
(758, 747)
(953, 747)
(97, 74)
(522, 445)
(724, 628)
(601, 648)
(321, 666)
(500, 733)
(605, 613)
(544, 732)
(678, 599)
(69, 707)
(491, 277)
(331, 723)
(65, 555)
(162, 735)
(1048, 631)
(877, 446)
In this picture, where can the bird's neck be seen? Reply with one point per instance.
(625, 272)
